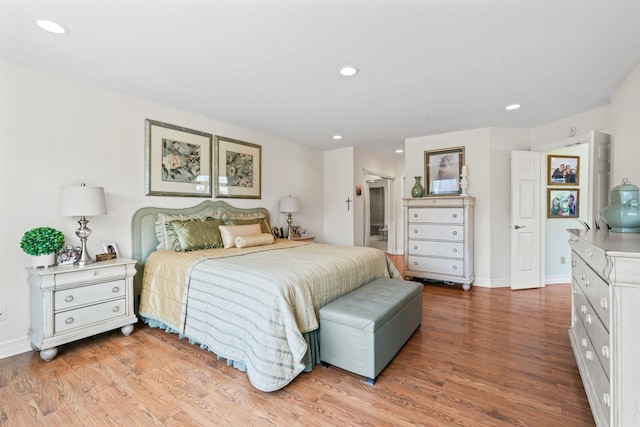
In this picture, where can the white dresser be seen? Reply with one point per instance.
(69, 302)
(439, 239)
(605, 322)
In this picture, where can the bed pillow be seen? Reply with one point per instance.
(164, 231)
(230, 232)
(254, 240)
(264, 225)
(195, 234)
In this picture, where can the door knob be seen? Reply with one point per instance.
(518, 227)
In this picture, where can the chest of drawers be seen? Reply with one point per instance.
(69, 302)
(605, 322)
(439, 239)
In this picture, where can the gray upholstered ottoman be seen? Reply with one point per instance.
(362, 331)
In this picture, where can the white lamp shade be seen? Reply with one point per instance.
(82, 201)
(289, 204)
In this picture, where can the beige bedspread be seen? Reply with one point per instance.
(252, 305)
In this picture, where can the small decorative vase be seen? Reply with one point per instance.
(417, 190)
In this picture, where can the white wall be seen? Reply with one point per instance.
(598, 119)
(625, 126)
(57, 132)
(338, 187)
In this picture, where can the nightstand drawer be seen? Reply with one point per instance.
(77, 318)
(79, 276)
(437, 265)
(443, 249)
(453, 233)
(440, 215)
(74, 297)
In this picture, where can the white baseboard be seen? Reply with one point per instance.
(13, 347)
(559, 278)
(482, 282)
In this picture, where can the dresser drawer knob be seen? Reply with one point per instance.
(455, 250)
(455, 233)
(573, 263)
(455, 267)
(94, 272)
(415, 246)
(606, 400)
(583, 309)
(415, 215)
(588, 355)
(604, 303)
(415, 231)
(584, 342)
(69, 320)
(115, 289)
(415, 263)
(455, 215)
(115, 309)
(589, 253)
(69, 298)
(588, 319)
(586, 282)
(605, 351)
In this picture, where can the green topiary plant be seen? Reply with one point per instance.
(42, 241)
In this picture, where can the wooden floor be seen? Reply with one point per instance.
(487, 357)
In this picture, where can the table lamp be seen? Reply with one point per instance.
(289, 205)
(82, 201)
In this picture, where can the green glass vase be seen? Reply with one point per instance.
(417, 190)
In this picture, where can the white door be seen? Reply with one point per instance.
(526, 214)
(599, 171)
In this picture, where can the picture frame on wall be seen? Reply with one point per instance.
(563, 203)
(177, 161)
(238, 169)
(563, 170)
(442, 169)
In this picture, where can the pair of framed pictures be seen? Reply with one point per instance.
(179, 163)
(563, 171)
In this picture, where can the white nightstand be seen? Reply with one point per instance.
(69, 302)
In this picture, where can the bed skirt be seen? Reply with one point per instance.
(310, 359)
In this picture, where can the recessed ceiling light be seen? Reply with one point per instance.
(52, 27)
(400, 151)
(337, 136)
(512, 107)
(348, 71)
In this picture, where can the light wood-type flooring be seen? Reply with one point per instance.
(487, 357)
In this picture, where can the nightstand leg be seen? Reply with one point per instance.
(126, 330)
(48, 354)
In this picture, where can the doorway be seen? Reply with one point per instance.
(378, 213)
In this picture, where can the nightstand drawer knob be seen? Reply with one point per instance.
(115, 289)
(115, 309)
(69, 320)
(69, 298)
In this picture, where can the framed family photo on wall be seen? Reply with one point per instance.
(563, 203)
(442, 169)
(238, 169)
(178, 161)
(563, 170)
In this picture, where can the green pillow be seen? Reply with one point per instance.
(195, 234)
(264, 225)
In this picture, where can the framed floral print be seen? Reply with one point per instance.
(238, 169)
(178, 161)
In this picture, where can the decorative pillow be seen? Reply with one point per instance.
(195, 234)
(264, 225)
(165, 234)
(254, 240)
(230, 232)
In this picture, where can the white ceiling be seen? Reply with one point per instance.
(426, 66)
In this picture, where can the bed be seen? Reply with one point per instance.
(255, 306)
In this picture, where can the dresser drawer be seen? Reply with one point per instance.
(439, 215)
(80, 276)
(595, 289)
(74, 297)
(593, 256)
(442, 249)
(67, 320)
(595, 330)
(437, 265)
(436, 232)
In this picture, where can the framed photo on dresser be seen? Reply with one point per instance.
(442, 169)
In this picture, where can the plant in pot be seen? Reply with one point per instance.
(42, 243)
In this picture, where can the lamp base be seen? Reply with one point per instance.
(289, 222)
(83, 233)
